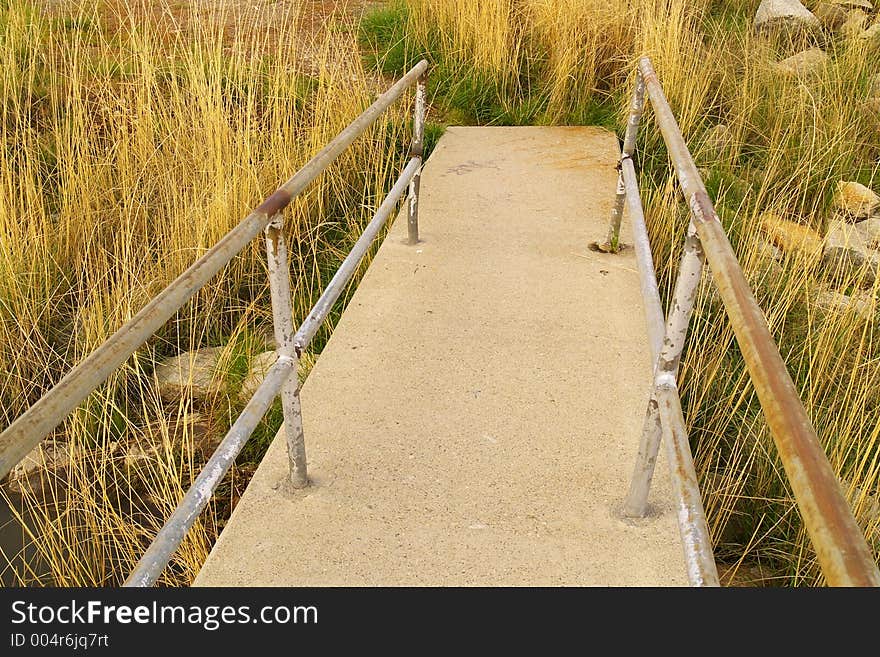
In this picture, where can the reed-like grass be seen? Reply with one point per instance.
(133, 136)
(792, 139)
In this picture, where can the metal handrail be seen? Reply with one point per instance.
(49, 411)
(843, 553)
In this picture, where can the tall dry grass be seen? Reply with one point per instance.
(134, 135)
(792, 139)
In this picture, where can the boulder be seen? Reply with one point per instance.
(191, 373)
(765, 266)
(871, 228)
(855, 23)
(860, 304)
(855, 201)
(870, 111)
(786, 16)
(805, 62)
(871, 35)
(831, 15)
(45, 463)
(845, 254)
(769, 252)
(865, 500)
(190, 428)
(853, 4)
(793, 238)
(265, 334)
(257, 371)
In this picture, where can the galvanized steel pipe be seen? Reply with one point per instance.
(695, 537)
(840, 545)
(169, 538)
(40, 419)
(664, 416)
(346, 270)
(277, 380)
(282, 321)
(637, 108)
(417, 150)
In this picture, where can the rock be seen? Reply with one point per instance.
(192, 429)
(718, 141)
(266, 335)
(45, 463)
(853, 4)
(831, 15)
(803, 63)
(860, 304)
(793, 238)
(768, 251)
(765, 265)
(256, 373)
(871, 35)
(786, 16)
(192, 372)
(871, 233)
(855, 201)
(855, 23)
(138, 455)
(845, 254)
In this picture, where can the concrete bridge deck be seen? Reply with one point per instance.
(475, 417)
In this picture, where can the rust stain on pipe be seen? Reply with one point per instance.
(843, 553)
(279, 200)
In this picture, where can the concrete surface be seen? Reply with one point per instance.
(475, 417)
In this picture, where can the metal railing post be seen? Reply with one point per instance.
(840, 545)
(686, 288)
(695, 537)
(664, 417)
(282, 315)
(49, 411)
(417, 151)
(637, 108)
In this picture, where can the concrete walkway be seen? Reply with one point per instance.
(475, 417)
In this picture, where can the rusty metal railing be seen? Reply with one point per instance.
(39, 420)
(843, 553)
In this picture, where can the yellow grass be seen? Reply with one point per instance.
(133, 137)
(131, 148)
(793, 139)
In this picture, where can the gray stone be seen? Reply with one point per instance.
(871, 35)
(805, 62)
(831, 15)
(865, 502)
(845, 254)
(855, 201)
(768, 251)
(870, 111)
(46, 463)
(861, 304)
(853, 4)
(871, 228)
(188, 432)
(191, 373)
(256, 373)
(855, 23)
(874, 86)
(788, 16)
